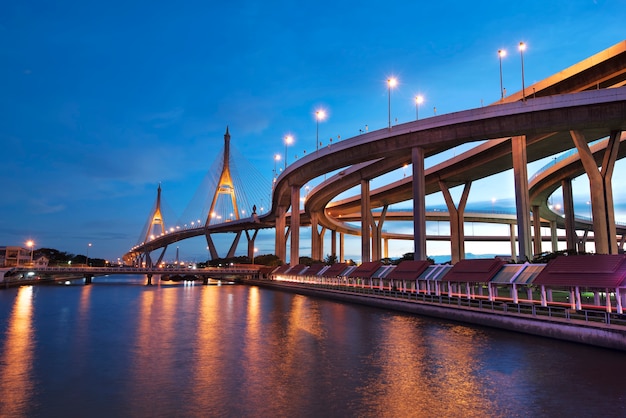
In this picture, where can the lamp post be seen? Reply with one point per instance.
(501, 53)
(522, 48)
(253, 253)
(276, 159)
(288, 141)
(391, 82)
(30, 244)
(419, 99)
(319, 115)
(87, 260)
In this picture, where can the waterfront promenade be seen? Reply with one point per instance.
(586, 326)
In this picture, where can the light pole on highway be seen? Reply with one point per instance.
(419, 99)
(319, 115)
(501, 53)
(391, 82)
(522, 48)
(288, 141)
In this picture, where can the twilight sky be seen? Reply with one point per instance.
(102, 101)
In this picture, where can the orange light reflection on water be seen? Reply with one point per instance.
(16, 384)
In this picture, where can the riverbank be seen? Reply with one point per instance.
(597, 334)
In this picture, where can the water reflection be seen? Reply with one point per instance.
(16, 367)
(222, 351)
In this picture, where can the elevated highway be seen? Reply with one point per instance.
(544, 121)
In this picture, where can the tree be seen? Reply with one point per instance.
(330, 259)
(55, 257)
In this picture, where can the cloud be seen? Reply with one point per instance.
(40, 206)
(164, 119)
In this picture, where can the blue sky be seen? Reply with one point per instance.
(101, 102)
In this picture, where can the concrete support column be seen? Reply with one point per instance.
(321, 243)
(251, 239)
(341, 247)
(333, 243)
(315, 237)
(211, 245)
(522, 200)
(554, 238)
(294, 257)
(512, 241)
(568, 209)
(280, 242)
(233, 246)
(386, 248)
(536, 230)
(366, 214)
(602, 209)
(419, 204)
(377, 231)
(457, 221)
(582, 242)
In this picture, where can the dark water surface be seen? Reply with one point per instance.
(118, 348)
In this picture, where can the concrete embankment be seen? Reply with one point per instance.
(596, 334)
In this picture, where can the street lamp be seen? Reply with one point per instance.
(419, 99)
(522, 48)
(30, 244)
(501, 53)
(391, 82)
(254, 252)
(288, 141)
(276, 159)
(319, 115)
(88, 245)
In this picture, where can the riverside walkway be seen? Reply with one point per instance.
(592, 327)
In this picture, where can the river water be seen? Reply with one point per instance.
(118, 348)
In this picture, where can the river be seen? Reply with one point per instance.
(118, 348)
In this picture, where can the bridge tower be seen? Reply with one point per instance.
(225, 184)
(156, 217)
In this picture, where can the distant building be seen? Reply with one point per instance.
(14, 256)
(41, 261)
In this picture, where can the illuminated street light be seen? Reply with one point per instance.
(501, 53)
(522, 48)
(253, 253)
(88, 245)
(288, 141)
(419, 99)
(391, 82)
(30, 244)
(319, 115)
